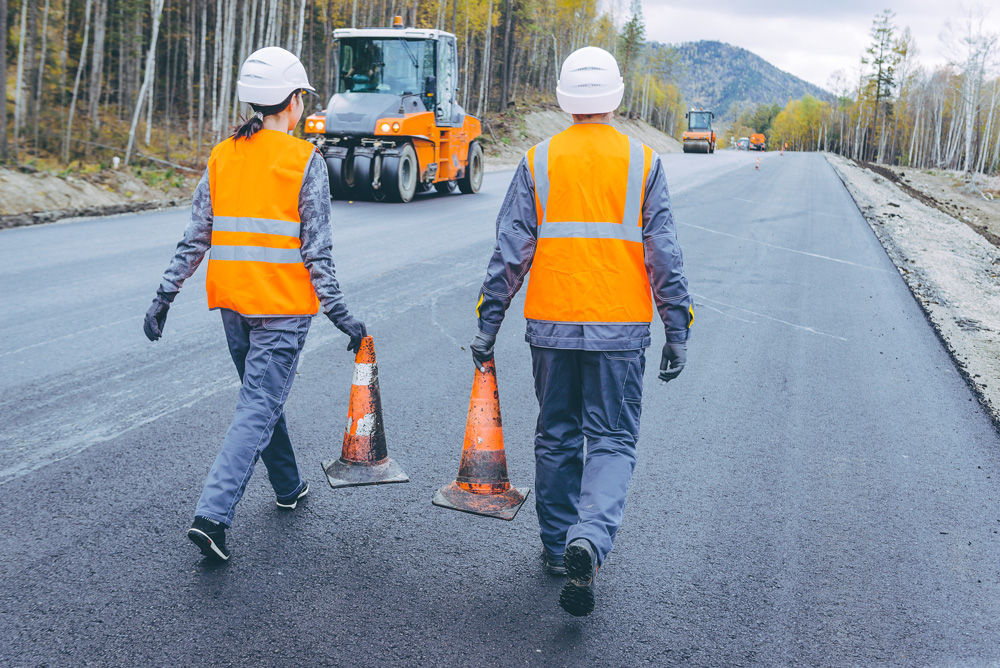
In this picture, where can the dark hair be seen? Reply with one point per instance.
(252, 125)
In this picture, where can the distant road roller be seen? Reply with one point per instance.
(394, 126)
(700, 137)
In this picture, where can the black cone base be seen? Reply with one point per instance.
(502, 506)
(342, 473)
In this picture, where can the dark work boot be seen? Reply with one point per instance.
(553, 566)
(577, 595)
(210, 537)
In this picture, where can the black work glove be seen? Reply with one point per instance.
(156, 316)
(482, 349)
(349, 325)
(673, 360)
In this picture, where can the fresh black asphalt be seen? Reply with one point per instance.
(818, 488)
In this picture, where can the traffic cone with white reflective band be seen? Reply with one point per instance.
(757, 166)
(365, 457)
(482, 486)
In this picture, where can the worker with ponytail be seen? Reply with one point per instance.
(262, 212)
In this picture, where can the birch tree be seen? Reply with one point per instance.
(156, 9)
(76, 83)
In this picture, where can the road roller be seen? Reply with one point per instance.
(393, 126)
(699, 137)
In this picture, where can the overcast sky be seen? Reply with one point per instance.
(808, 38)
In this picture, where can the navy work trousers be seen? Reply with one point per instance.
(266, 354)
(592, 395)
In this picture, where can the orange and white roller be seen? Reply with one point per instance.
(364, 459)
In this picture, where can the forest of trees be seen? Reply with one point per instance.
(82, 81)
(897, 112)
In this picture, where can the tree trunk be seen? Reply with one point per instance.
(3, 81)
(301, 28)
(981, 166)
(97, 67)
(506, 62)
(201, 77)
(19, 79)
(41, 73)
(76, 84)
(189, 62)
(483, 102)
(156, 7)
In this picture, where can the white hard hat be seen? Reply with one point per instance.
(269, 75)
(590, 82)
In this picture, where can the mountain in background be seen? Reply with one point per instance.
(727, 78)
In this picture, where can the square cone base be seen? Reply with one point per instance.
(342, 473)
(502, 506)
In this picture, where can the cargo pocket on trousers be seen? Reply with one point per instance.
(273, 379)
(630, 408)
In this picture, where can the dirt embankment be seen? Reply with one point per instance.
(976, 204)
(508, 137)
(950, 265)
(29, 196)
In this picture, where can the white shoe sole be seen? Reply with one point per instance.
(290, 505)
(206, 544)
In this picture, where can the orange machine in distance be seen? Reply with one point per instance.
(699, 137)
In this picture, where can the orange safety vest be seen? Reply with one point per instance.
(255, 266)
(589, 265)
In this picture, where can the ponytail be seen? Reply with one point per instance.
(250, 127)
(253, 125)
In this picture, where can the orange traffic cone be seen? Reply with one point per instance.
(365, 458)
(482, 486)
(757, 166)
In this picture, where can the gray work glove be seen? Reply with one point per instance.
(482, 349)
(156, 316)
(349, 325)
(673, 360)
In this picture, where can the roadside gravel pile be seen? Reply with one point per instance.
(29, 196)
(952, 270)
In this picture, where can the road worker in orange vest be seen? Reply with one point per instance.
(262, 212)
(589, 215)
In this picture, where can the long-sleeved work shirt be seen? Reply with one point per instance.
(517, 237)
(314, 233)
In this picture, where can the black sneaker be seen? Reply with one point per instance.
(209, 537)
(577, 595)
(292, 501)
(553, 566)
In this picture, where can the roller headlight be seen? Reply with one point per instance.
(384, 127)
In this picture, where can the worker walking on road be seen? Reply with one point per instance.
(263, 208)
(588, 213)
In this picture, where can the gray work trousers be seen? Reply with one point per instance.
(592, 397)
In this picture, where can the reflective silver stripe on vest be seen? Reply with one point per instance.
(633, 193)
(573, 230)
(630, 228)
(541, 167)
(256, 254)
(282, 228)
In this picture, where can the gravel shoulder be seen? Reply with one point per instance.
(29, 196)
(951, 267)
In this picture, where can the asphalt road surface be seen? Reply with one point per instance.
(818, 488)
